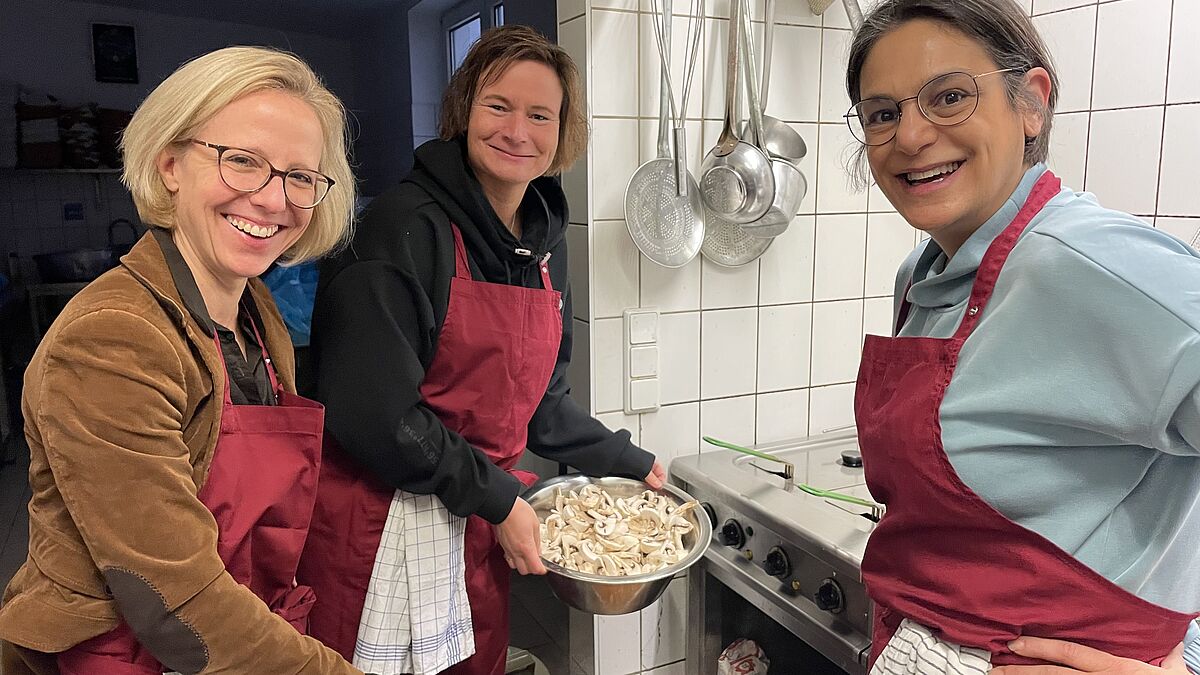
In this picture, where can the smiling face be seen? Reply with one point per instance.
(227, 236)
(945, 180)
(512, 134)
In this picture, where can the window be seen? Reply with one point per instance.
(498, 14)
(461, 37)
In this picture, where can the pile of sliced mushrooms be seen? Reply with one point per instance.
(591, 531)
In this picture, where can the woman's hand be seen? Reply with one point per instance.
(1076, 658)
(521, 539)
(657, 476)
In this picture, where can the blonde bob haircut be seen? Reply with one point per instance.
(492, 54)
(184, 102)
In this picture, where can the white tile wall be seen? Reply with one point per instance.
(729, 419)
(889, 241)
(1183, 79)
(662, 622)
(1177, 193)
(618, 288)
(781, 415)
(1071, 37)
(786, 269)
(840, 256)
(1044, 6)
(1123, 158)
(728, 340)
(1131, 70)
(784, 332)
(835, 145)
(836, 341)
(678, 354)
(618, 644)
(615, 92)
(770, 350)
(1069, 147)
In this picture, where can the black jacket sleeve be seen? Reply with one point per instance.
(562, 431)
(369, 321)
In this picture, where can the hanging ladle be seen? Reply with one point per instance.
(779, 139)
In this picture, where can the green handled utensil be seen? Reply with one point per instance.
(788, 473)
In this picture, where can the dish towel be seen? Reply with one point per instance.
(416, 618)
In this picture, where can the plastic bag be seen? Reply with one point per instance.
(294, 289)
(742, 657)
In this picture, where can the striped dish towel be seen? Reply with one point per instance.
(1191, 651)
(915, 650)
(416, 618)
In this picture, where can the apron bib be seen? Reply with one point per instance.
(495, 354)
(944, 558)
(261, 487)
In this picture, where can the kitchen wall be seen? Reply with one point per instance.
(770, 350)
(45, 46)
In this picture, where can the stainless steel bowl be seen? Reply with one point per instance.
(597, 594)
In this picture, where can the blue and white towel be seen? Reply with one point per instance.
(416, 618)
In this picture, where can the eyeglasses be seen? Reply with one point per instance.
(247, 171)
(946, 100)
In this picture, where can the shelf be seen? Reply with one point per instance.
(83, 171)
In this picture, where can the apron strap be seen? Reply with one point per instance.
(224, 368)
(266, 355)
(997, 253)
(544, 266)
(462, 269)
(905, 309)
(275, 387)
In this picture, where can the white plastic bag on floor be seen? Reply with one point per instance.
(743, 657)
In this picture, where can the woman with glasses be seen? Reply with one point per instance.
(442, 338)
(173, 468)
(1034, 425)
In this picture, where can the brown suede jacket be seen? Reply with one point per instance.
(122, 407)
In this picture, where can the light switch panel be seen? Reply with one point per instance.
(641, 326)
(643, 361)
(642, 396)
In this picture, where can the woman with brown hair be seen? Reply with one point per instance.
(1039, 463)
(442, 339)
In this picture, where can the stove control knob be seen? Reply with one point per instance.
(777, 564)
(712, 515)
(829, 596)
(732, 534)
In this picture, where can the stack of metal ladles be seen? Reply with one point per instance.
(750, 187)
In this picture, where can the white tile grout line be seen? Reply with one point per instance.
(816, 207)
(1162, 139)
(1087, 144)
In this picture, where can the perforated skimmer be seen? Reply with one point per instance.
(663, 209)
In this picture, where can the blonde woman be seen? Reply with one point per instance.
(173, 467)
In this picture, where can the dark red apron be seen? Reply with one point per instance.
(495, 354)
(942, 556)
(260, 489)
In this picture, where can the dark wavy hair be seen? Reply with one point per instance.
(491, 55)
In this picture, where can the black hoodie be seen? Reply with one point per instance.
(379, 309)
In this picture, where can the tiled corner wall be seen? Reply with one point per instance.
(770, 350)
(32, 211)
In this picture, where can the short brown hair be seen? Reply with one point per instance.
(1001, 27)
(491, 55)
(184, 102)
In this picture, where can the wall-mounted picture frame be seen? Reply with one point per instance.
(114, 53)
